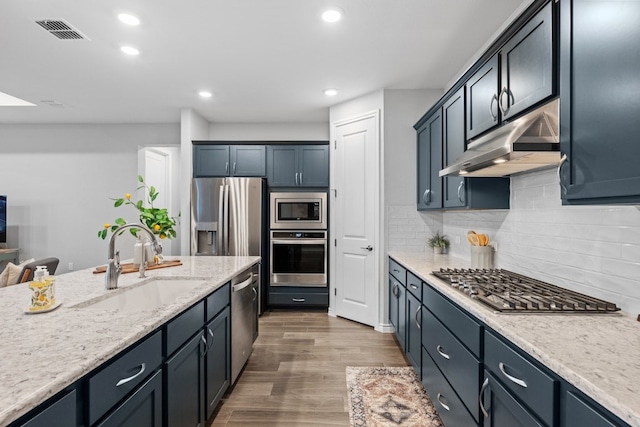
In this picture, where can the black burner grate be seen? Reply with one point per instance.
(510, 292)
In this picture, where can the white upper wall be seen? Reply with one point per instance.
(269, 131)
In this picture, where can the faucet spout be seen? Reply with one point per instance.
(113, 258)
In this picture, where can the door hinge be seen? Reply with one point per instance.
(335, 242)
(335, 193)
(335, 291)
(335, 145)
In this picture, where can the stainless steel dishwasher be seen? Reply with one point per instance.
(245, 289)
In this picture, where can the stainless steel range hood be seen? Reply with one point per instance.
(528, 143)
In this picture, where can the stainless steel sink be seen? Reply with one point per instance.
(148, 295)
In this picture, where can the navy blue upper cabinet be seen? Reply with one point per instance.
(229, 160)
(429, 153)
(482, 99)
(298, 165)
(599, 102)
(526, 65)
(454, 143)
(518, 77)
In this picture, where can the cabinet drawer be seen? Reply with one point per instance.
(450, 408)
(414, 285)
(458, 364)
(521, 377)
(299, 299)
(218, 301)
(114, 382)
(143, 408)
(398, 271)
(63, 412)
(183, 327)
(464, 327)
(579, 413)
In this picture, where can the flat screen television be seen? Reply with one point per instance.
(3, 219)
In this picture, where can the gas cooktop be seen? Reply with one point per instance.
(509, 292)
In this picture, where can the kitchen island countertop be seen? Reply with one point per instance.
(598, 354)
(44, 353)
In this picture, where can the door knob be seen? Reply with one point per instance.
(369, 248)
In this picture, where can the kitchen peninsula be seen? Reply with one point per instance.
(46, 353)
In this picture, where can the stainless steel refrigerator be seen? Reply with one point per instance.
(228, 217)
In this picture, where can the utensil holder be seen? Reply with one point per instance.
(481, 257)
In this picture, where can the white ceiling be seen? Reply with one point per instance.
(264, 60)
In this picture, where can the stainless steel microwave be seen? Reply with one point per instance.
(299, 211)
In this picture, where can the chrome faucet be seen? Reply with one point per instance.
(113, 262)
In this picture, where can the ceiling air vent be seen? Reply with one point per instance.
(61, 29)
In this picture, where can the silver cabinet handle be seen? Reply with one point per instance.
(395, 289)
(481, 397)
(300, 178)
(211, 335)
(418, 324)
(396, 270)
(226, 168)
(518, 381)
(206, 346)
(296, 178)
(368, 248)
(255, 294)
(132, 377)
(442, 353)
(426, 197)
(297, 299)
(413, 286)
(494, 117)
(510, 97)
(563, 188)
(234, 168)
(460, 188)
(444, 405)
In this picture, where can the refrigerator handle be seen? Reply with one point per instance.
(221, 224)
(225, 230)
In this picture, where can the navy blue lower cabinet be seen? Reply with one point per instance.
(185, 385)
(218, 359)
(62, 413)
(413, 343)
(397, 309)
(142, 409)
(500, 409)
(449, 406)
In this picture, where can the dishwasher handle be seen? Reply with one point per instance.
(240, 286)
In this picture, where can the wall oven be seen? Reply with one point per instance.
(300, 211)
(298, 258)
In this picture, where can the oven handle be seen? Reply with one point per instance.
(300, 241)
(240, 286)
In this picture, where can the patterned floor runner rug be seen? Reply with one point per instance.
(389, 397)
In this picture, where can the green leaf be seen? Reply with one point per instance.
(147, 215)
(139, 205)
(140, 178)
(154, 197)
(118, 203)
(102, 233)
(120, 221)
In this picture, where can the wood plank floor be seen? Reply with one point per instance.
(296, 374)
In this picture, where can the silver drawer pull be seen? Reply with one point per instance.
(413, 286)
(518, 381)
(418, 319)
(206, 346)
(444, 405)
(211, 335)
(485, 384)
(442, 353)
(297, 299)
(132, 377)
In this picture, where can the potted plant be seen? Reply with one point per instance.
(439, 243)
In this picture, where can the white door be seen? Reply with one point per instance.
(157, 173)
(355, 215)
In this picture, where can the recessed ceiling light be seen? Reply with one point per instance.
(129, 50)
(128, 19)
(205, 94)
(331, 92)
(332, 15)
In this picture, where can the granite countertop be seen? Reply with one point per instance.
(42, 354)
(599, 354)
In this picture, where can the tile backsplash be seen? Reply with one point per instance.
(589, 249)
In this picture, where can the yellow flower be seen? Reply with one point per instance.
(162, 236)
(128, 196)
(156, 227)
(107, 225)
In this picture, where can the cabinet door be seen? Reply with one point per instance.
(414, 336)
(313, 165)
(526, 65)
(61, 414)
(281, 165)
(502, 409)
(248, 160)
(429, 156)
(218, 359)
(599, 110)
(577, 412)
(401, 333)
(394, 292)
(482, 99)
(211, 160)
(185, 385)
(454, 146)
(142, 409)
